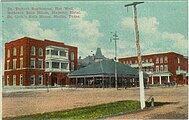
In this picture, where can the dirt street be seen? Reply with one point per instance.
(40, 101)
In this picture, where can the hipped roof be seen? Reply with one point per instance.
(106, 67)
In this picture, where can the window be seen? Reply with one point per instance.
(47, 52)
(40, 63)
(32, 63)
(14, 51)
(14, 64)
(55, 65)
(8, 54)
(72, 56)
(179, 68)
(64, 65)
(8, 80)
(32, 50)
(21, 50)
(161, 60)
(8, 64)
(47, 65)
(151, 69)
(14, 79)
(135, 61)
(54, 52)
(40, 52)
(21, 79)
(63, 53)
(157, 60)
(166, 68)
(40, 80)
(72, 66)
(178, 60)
(165, 59)
(157, 68)
(127, 62)
(161, 68)
(32, 79)
(146, 60)
(130, 62)
(150, 60)
(21, 62)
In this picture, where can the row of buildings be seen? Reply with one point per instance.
(32, 62)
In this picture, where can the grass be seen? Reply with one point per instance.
(91, 112)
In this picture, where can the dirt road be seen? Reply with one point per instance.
(40, 101)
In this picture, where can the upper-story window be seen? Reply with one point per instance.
(47, 52)
(161, 68)
(21, 50)
(130, 62)
(32, 50)
(64, 65)
(166, 68)
(146, 60)
(8, 54)
(14, 51)
(157, 60)
(54, 52)
(32, 63)
(40, 63)
(72, 56)
(135, 61)
(14, 64)
(55, 65)
(72, 66)
(63, 53)
(40, 52)
(157, 68)
(178, 60)
(150, 60)
(161, 60)
(165, 59)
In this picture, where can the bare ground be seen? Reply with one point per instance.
(40, 101)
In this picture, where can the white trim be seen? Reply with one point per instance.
(23, 69)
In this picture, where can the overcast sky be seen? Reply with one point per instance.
(162, 27)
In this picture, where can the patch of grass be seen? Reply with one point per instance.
(91, 112)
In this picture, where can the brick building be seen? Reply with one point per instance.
(31, 62)
(164, 67)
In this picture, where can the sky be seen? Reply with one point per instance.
(162, 27)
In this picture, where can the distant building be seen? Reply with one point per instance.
(91, 59)
(32, 62)
(164, 67)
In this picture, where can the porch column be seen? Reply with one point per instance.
(152, 79)
(76, 83)
(103, 82)
(93, 82)
(84, 84)
(110, 82)
(168, 79)
(160, 80)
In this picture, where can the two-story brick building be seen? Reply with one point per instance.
(163, 67)
(32, 62)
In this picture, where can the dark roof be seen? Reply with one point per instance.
(106, 67)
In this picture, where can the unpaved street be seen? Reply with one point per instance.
(40, 101)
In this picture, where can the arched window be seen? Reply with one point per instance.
(72, 56)
(165, 59)
(40, 52)
(32, 50)
(8, 54)
(14, 51)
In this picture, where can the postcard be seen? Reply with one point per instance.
(94, 60)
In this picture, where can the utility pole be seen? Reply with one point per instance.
(115, 38)
(141, 81)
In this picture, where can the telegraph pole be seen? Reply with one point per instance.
(141, 81)
(115, 38)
